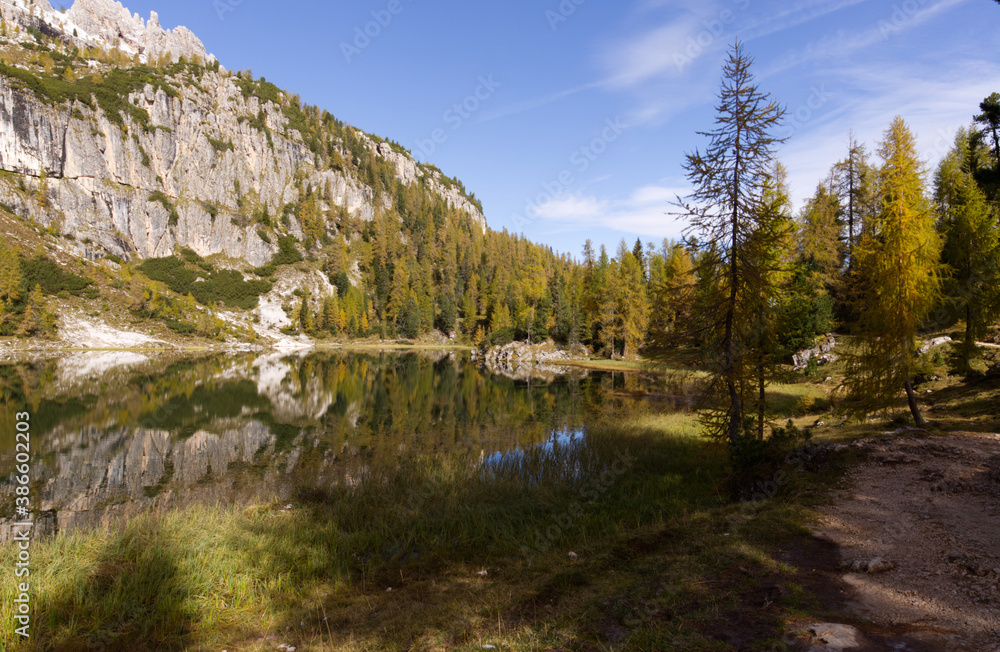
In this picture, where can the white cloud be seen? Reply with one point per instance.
(793, 15)
(843, 43)
(646, 212)
(670, 49)
(571, 208)
(933, 106)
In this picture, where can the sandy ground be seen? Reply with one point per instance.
(931, 506)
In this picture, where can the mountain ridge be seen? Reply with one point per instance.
(207, 140)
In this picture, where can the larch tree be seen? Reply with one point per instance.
(730, 213)
(500, 317)
(609, 316)
(820, 233)
(769, 246)
(36, 318)
(633, 303)
(10, 275)
(971, 245)
(331, 310)
(898, 270)
(399, 293)
(533, 286)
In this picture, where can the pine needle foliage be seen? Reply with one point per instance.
(971, 247)
(898, 271)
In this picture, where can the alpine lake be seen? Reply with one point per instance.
(116, 434)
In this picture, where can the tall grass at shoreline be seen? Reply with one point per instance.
(206, 577)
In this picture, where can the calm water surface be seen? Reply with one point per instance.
(118, 433)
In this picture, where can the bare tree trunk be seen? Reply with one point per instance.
(970, 339)
(911, 397)
(761, 405)
(735, 407)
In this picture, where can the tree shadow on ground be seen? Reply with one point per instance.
(133, 597)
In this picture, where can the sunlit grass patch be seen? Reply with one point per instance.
(671, 424)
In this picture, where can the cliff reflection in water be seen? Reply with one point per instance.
(149, 433)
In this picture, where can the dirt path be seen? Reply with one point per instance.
(931, 507)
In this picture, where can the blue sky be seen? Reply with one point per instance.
(574, 116)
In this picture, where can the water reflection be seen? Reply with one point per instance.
(530, 460)
(114, 434)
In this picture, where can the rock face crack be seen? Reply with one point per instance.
(62, 157)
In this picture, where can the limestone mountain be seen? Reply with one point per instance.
(134, 141)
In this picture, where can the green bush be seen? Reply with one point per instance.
(499, 337)
(157, 195)
(211, 209)
(191, 255)
(170, 271)
(181, 327)
(111, 94)
(220, 146)
(757, 462)
(288, 254)
(225, 286)
(52, 279)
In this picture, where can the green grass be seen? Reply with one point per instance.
(659, 552)
(603, 364)
(677, 424)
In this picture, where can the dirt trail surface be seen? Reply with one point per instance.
(931, 508)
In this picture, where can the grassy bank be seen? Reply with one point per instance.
(396, 562)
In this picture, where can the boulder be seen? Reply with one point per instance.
(523, 361)
(930, 344)
(821, 352)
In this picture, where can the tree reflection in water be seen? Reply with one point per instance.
(116, 436)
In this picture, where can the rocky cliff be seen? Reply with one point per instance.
(135, 160)
(107, 24)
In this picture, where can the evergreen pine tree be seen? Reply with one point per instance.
(971, 247)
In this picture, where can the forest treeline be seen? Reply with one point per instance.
(423, 266)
